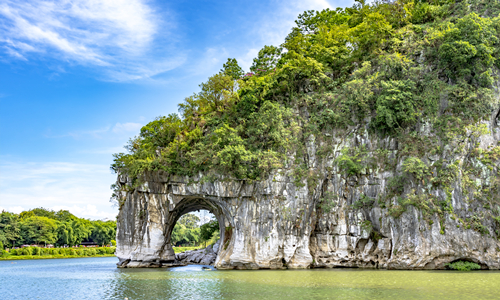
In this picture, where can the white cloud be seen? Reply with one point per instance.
(118, 35)
(119, 129)
(204, 215)
(211, 60)
(12, 209)
(276, 29)
(104, 150)
(87, 211)
(246, 61)
(84, 189)
(126, 127)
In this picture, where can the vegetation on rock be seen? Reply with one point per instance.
(418, 74)
(463, 266)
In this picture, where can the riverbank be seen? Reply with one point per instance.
(78, 253)
(23, 257)
(47, 253)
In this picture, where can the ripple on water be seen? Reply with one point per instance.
(98, 278)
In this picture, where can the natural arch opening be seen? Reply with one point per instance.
(189, 211)
(195, 229)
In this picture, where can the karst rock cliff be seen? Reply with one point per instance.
(370, 138)
(279, 223)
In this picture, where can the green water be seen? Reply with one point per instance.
(98, 278)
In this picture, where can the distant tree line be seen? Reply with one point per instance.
(187, 231)
(43, 226)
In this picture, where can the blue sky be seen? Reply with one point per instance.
(78, 78)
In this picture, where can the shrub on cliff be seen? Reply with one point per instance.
(419, 72)
(463, 266)
(247, 126)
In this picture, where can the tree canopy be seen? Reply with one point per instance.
(187, 230)
(387, 67)
(44, 226)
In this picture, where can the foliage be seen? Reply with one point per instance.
(350, 161)
(418, 75)
(267, 59)
(43, 226)
(10, 228)
(190, 221)
(363, 201)
(208, 229)
(232, 69)
(184, 236)
(327, 202)
(463, 266)
(187, 231)
(396, 106)
(416, 167)
(184, 249)
(39, 230)
(37, 252)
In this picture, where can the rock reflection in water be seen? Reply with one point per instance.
(98, 278)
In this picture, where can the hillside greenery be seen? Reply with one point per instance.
(41, 226)
(388, 69)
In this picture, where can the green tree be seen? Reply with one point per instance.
(215, 97)
(186, 230)
(396, 105)
(267, 59)
(208, 229)
(190, 221)
(65, 216)
(178, 233)
(39, 230)
(81, 231)
(232, 69)
(64, 234)
(181, 235)
(10, 228)
(103, 232)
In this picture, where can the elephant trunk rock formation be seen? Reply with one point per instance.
(335, 220)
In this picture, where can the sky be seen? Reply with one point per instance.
(79, 78)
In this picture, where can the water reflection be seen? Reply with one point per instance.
(98, 278)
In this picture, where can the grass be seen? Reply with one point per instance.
(182, 249)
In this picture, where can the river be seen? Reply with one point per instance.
(98, 278)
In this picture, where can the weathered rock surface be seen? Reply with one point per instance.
(280, 223)
(198, 257)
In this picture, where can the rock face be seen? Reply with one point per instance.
(282, 222)
(198, 257)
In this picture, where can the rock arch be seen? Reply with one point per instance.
(196, 203)
(277, 223)
(258, 228)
